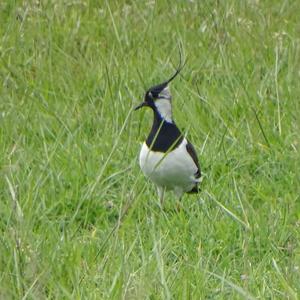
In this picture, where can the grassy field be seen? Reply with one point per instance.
(78, 219)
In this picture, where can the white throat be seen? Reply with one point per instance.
(164, 108)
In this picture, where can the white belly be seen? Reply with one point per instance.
(173, 171)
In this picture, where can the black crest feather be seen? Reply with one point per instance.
(155, 90)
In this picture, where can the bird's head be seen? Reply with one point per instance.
(159, 98)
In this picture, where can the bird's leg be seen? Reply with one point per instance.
(161, 194)
(179, 194)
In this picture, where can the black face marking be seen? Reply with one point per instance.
(149, 97)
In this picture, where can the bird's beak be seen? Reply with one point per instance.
(141, 105)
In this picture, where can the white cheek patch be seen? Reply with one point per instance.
(165, 93)
(164, 108)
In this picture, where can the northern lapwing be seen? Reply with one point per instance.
(167, 157)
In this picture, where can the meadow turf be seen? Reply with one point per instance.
(79, 220)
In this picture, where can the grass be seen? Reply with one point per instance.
(78, 219)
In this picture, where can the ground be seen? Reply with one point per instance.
(78, 219)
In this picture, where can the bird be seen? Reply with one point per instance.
(167, 157)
